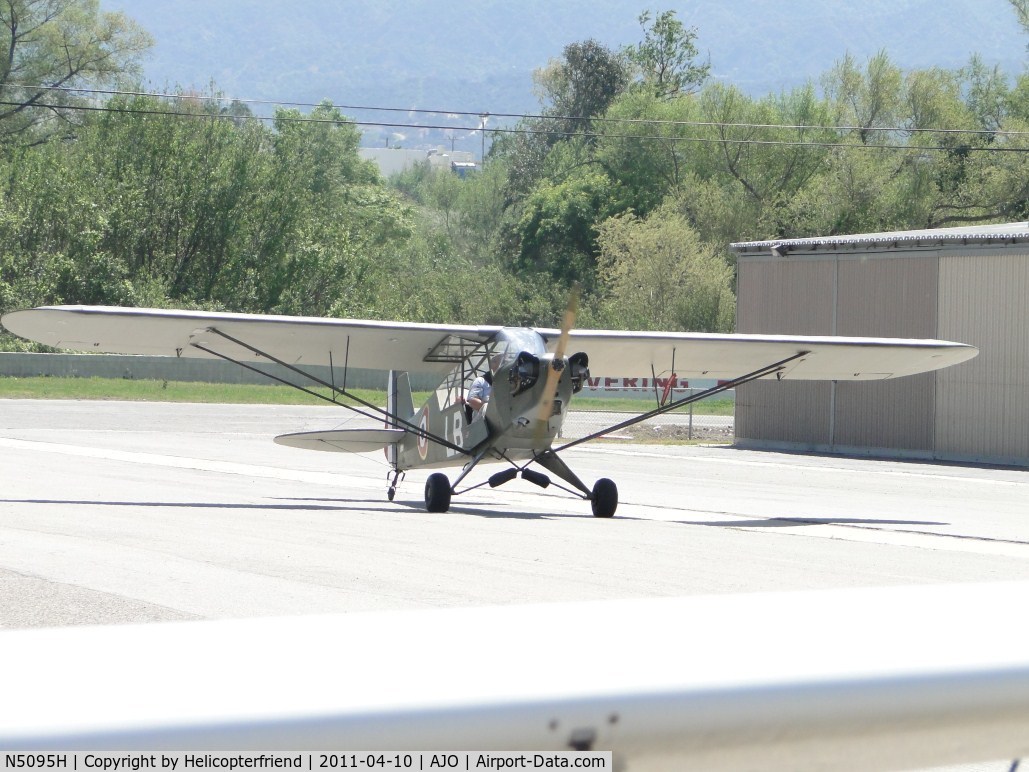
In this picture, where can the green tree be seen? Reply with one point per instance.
(760, 146)
(580, 85)
(866, 100)
(650, 167)
(858, 190)
(659, 275)
(482, 213)
(556, 230)
(202, 208)
(572, 91)
(444, 195)
(328, 213)
(176, 192)
(53, 44)
(665, 61)
(986, 93)
(1022, 11)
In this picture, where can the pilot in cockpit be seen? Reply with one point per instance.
(481, 389)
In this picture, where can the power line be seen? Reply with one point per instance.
(530, 131)
(526, 116)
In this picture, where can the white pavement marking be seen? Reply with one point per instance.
(826, 466)
(181, 462)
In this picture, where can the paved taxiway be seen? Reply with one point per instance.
(131, 512)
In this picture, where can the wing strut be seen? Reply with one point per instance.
(777, 367)
(336, 390)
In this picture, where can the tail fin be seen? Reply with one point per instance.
(400, 404)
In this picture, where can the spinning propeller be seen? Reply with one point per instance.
(557, 365)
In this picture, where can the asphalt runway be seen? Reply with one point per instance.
(114, 512)
(128, 512)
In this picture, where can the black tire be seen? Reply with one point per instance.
(391, 493)
(437, 493)
(605, 498)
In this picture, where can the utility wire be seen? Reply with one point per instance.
(723, 140)
(521, 116)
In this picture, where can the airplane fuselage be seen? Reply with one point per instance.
(517, 422)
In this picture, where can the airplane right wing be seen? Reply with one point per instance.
(296, 340)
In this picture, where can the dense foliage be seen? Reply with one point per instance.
(632, 181)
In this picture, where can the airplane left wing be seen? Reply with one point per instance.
(729, 356)
(295, 340)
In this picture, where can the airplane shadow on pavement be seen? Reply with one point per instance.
(378, 505)
(305, 505)
(177, 504)
(790, 522)
(419, 506)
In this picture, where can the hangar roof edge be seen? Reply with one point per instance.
(1004, 232)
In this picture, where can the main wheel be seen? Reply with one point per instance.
(437, 493)
(605, 498)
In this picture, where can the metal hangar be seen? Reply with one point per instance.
(967, 284)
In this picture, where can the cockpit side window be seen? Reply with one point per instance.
(500, 351)
(459, 379)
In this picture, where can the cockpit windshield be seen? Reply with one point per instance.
(512, 341)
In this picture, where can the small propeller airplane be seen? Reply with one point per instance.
(533, 377)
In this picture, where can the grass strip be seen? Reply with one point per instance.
(255, 394)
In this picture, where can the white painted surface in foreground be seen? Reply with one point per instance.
(866, 679)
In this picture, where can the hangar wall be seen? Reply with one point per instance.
(792, 299)
(983, 405)
(952, 284)
(879, 296)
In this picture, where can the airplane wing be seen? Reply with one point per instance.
(728, 356)
(296, 340)
(859, 679)
(432, 347)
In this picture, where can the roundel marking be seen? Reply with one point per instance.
(423, 441)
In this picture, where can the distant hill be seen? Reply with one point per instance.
(478, 55)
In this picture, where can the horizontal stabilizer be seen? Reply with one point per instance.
(342, 440)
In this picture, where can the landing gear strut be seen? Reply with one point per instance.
(392, 491)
